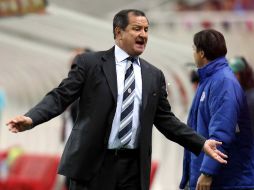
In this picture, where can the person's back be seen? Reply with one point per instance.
(220, 112)
(239, 171)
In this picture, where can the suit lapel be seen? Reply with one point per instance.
(109, 68)
(146, 82)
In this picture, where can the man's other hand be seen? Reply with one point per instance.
(204, 182)
(19, 123)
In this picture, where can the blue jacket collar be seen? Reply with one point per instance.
(212, 67)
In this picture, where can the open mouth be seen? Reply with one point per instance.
(140, 42)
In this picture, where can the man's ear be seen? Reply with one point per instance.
(118, 33)
(202, 54)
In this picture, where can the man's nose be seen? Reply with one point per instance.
(143, 33)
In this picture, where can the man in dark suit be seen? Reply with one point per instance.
(121, 97)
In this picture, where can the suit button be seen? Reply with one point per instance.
(154, 94)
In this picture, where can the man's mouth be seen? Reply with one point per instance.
(140, 42)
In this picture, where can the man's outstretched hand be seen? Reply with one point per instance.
(19, 123)
(210, 148)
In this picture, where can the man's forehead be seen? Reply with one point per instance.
(138, 20)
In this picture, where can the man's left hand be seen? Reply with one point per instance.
(204, 182)
(210, 148)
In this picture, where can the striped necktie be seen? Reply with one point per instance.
(125, 130)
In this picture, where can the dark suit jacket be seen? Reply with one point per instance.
(73, 110)
(93, 80)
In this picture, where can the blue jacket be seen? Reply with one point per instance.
(219, 111)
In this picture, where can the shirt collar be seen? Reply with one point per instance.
(121, 55)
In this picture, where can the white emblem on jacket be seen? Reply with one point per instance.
(237, 129)
(202, 96)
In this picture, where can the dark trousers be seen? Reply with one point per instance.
(120, 171)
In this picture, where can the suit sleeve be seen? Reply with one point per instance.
(57, 100)
(169, 125)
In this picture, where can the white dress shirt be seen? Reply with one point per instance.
(121, 62)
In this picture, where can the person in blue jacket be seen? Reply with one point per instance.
(219, 111)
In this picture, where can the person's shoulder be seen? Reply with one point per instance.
(90, 59)
(224, 75)
(91, 55)
(97, 55)
(151, 69)
(149, 65)
(226, 84)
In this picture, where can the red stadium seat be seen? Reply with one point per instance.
(33, 172)
(154, 168)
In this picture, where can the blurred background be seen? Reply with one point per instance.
(38, 40)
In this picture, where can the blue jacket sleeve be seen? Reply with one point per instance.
(223, 108)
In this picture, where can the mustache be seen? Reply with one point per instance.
(140, 39)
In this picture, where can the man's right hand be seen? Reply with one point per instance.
(19, 123)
